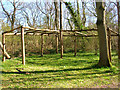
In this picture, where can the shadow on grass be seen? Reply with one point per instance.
(50, 71)
(67, 76)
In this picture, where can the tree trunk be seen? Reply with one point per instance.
(118, 7)
(48, 26)
(102, 35)
(84, 17)
(56, 22)
(56, 14)
(61, 37)
(78, 9)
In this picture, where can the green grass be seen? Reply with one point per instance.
(51, 71)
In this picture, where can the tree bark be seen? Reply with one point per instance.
(78, 9)
(56, 22)
(61, 37)
(118, 7)
(102, 35)
(84, 16)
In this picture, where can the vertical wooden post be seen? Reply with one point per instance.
(75, 45)
(42, 43)
(3, 42)
(109, 42)
(57, 43)
(61, 38)
(22, 45)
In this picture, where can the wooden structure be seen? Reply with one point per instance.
(21, 31)
(6, 54)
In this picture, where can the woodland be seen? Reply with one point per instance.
(60, 44)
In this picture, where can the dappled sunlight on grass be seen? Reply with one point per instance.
(51, 71)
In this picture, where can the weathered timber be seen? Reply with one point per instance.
(42, 44)
(109, 42)
(80, 30)
(66, 34)
(113, 31)
(12, 30)
(57, 44)
(6, 54)
(75, 46)
(3, 42)
(22, 45)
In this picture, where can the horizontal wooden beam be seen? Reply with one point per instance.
(48, 30)
(12, 30)
(85, 35)
(75, 34)
(79, 30)
(113, 31)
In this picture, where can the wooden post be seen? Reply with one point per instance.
(61, 38)
(22, 45)
(3, 42)
(6, 54)
(42, 43)
(75, 46)
(119, 45)
(57, 43)
(109, 42)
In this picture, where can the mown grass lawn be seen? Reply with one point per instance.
(51, 71)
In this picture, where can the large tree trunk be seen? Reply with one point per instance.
(118, 7)
(102, 35)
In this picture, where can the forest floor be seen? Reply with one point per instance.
(50, 71)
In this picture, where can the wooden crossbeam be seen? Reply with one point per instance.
(113, 31)
(47, 30)
(68, 34)
(6, 54)
(12, 30)
(94, 29)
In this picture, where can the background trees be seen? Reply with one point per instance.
(43, 14)
(11, 13)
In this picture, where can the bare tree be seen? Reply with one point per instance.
(32, 15)
(48, 11)
(11, 16)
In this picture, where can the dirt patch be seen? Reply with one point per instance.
(108, 86)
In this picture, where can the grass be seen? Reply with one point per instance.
(51, 71)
